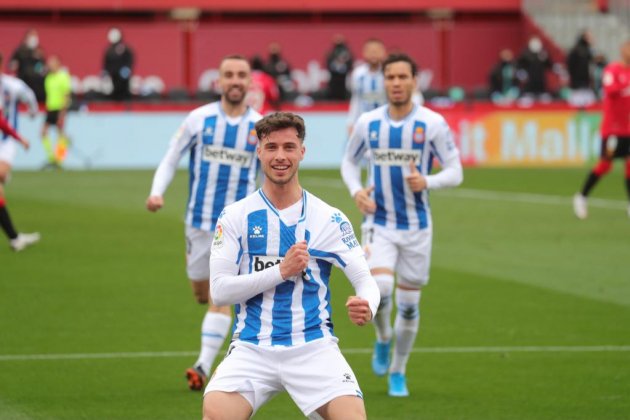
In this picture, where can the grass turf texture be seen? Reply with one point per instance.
(108, 277)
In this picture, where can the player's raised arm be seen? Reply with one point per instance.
(351, 170)
(452, 173)
(165, 172)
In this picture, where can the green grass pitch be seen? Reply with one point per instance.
(527, 315)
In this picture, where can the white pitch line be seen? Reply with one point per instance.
(437, 350)
(529, 198)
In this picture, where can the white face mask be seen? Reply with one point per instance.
(32, 41)
(535, 45)
(114, 35)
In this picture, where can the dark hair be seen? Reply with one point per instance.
(278, 121)
(395, 58)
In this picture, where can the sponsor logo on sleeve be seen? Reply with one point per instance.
(226, 156)
(217, 241)
(395, 157)
(347, 234)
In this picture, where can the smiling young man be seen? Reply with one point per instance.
(221, 140)
(272, 257)
(402, 139)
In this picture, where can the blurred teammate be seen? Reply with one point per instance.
(58, 91)
(615, 129)
(366, 82)
(403, 140)
(272, 256)
(12, 91)
(221, 140)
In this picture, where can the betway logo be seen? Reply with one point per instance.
(262, 262)
(395, 157)
(226, 156)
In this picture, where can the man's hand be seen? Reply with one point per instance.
(295, 261)
(363, 201)
(25, 143)
(154, 203)
(358, 310)
(415, 180)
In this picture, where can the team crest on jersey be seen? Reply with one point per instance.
(252, 138)
(256, 232)
(418, 134)
(218, 237)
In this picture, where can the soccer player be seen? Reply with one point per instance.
(272, 256)
(221, 140)
(366, 82)
(403, 139)
(12, 91)
(58, 90)
(615, 129)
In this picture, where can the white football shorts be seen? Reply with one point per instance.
(406, 252)
(313, 373)
(198, 243)
(8, 150)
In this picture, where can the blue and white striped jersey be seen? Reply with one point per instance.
(420, 137)
(252, 236)
(13, 91)
(368, 91)
(223, 164)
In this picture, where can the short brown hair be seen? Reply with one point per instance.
(398, 57)
(278, 121)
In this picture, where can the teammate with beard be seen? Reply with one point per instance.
(221, 140)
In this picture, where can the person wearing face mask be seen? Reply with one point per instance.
(533, 64)
(279, 69)
(28, 63)
(118, 65)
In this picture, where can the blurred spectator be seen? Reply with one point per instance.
(278, 68)
(118, 65)
(533, 64)
(599, 64)
(263, 94)
(366, 82)
(503, 81)
(339, 64)
(579, 62)
(27, 62)
(58, 93)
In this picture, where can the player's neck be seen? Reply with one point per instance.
(399, 112)
(232, 110)
(283, 195)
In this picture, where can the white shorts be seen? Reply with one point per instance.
(313, 373)
(406, 252)
(198, 243)
(8, 150)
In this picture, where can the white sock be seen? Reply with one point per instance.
(214, 329)
(382, 320)
(405, 327)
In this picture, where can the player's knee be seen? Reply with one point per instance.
(385, 283)
(602, 167)
(408, 304)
